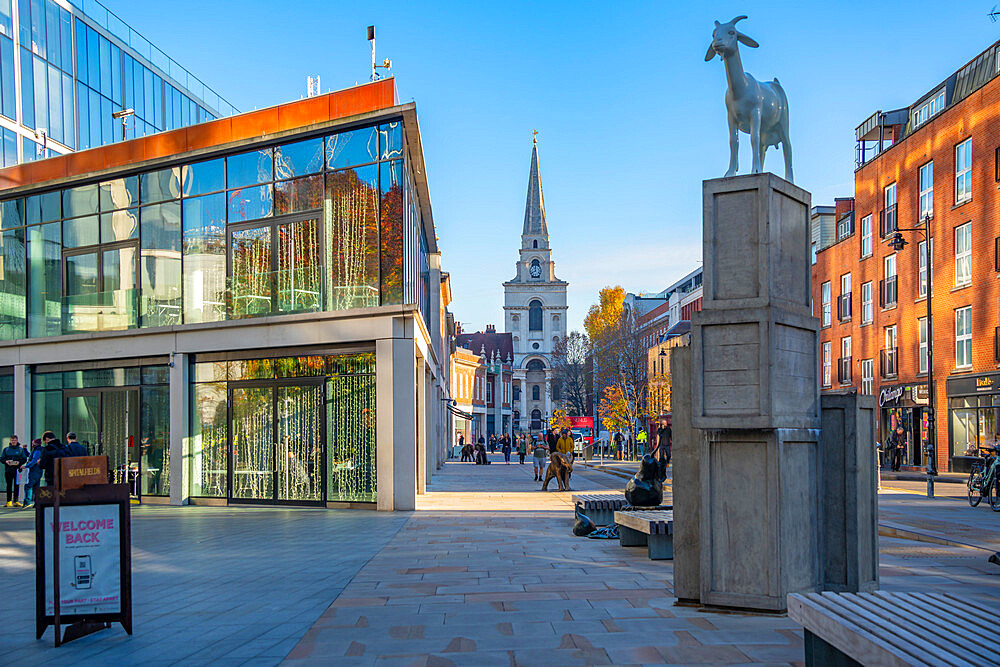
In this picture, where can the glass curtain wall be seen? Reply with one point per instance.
(324, 223)
(122, 413)
(7, 414)
(298, 428)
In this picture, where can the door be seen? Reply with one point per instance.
(277, 446)
(275, 267)
(106, 422)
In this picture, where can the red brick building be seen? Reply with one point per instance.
(939, 157)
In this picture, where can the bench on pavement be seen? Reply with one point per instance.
(600, 507)
(884, 628)
(652, 528)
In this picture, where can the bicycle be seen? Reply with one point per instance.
(984, 479)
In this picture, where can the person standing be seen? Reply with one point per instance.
(619, 440)
(522, 448)
(13, 458)
(505, 448)
(52, 449)
(564, 445)
(540, 455)
(74, 447)
(34, 472)
(664, 441)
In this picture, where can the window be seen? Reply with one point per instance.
(516, 390)
(866, 303)
(927, 110)
(889, 283)
(535, 392)
(489, 392)
(963, 337)
(844, 302)
(927, 190)
(826, 364)
(535, 315)
(889, 212)
(844, 366)
(866, 236)
(922, 345)
(963, 171)
(845, 227)
(922, 270)
(889, 365)
(867, 374)
(963, 254)
(825, 298)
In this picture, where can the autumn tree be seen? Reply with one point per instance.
(559, 420)
(571, 370)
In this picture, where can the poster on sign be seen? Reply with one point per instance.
(89, 560)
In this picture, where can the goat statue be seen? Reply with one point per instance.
(758, 108)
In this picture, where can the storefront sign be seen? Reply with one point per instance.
(889, 395)
(89, 560)
(976, 384)
(902, 396)
(76, 471)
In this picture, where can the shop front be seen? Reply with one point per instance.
(973, 411)
(904, 405)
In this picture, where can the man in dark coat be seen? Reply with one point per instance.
(664, 441)
(74, 447)
(52, 449)
(897, 442)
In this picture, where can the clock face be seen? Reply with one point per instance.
(535, 271)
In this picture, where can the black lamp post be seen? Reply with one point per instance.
(897, 243)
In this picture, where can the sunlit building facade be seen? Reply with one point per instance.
(67, 65)
(248, 311)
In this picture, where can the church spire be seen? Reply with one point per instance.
(534, 208)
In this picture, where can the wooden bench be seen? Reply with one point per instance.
(600, 507)
(652, 528)
(895, 629)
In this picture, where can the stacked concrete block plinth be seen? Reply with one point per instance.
(686, 481)
(755, 397)
(850, 499)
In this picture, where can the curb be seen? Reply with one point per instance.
(904, 533)
(921, 478)
(616, 473)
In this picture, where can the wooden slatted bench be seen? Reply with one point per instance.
(652, 528)
(884, 628)
(600, 507)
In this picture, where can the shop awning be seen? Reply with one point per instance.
(459, 413)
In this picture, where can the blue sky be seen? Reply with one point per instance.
(630, 117)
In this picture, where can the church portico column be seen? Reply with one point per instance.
(548, 392)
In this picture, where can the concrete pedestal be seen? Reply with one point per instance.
(686, 481)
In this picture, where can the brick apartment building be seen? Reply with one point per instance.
(939, 157)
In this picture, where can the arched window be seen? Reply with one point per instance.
(556, 392)
(535, 315)
(535, 365)
(536, 419)
(534, 244)
(517, 393)
(535, 392)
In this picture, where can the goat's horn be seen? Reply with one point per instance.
(717, 24)
(737, 19)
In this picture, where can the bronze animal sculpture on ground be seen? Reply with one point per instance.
(645, 489)
(561, 467)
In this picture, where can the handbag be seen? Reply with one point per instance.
(22, 477)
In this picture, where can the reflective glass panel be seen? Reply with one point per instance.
(288, 367)
(11, 213)
(209, 437)
(45, 280)
(160, 185)
(350, 437)
(300, 270)
(251, 369)
(12, 284)
(250, 168)
(253, 443)
(354, 147)
(154, 440)
(251, 279)
(119, 193)
(46, 410)
(204, 246)
(210, 371)
(352, 227)
(250, 203)
(391, 140)
(203, 177)
(302, 194)
(81, 274)
(120, 225)
(391, 227)
(298, 159)
(80, 232)
(155, 374)
(160, 264)
(42, 208)
(299, 446)
(79, 201)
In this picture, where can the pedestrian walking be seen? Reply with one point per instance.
(619, 445)
(34, 468)
(565, 445)
(493, 443)
(13, 458)
(540, 454)
(522, 448)
(506, 451)
(551, 441)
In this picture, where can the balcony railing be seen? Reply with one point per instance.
(888, 292)
(887, 221)
(844, 307)
(889, 362)
(844, 370)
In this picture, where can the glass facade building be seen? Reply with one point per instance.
(242, 322)
(65, 67)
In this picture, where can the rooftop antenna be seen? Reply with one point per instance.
(312, 86)
(993, 14)
(386, 64)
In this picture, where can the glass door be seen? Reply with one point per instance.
(106, 422)
(277, 441)
(276, 267)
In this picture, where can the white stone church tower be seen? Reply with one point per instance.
(535, 313)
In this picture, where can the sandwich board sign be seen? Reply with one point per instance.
(83, 551)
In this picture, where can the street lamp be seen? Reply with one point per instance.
(897, 243)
